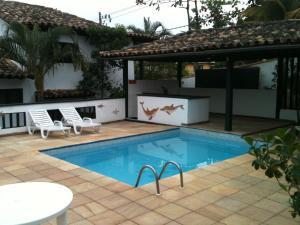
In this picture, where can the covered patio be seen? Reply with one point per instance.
(254, 41)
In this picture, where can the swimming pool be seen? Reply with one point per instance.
(122, 158)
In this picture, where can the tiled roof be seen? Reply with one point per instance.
(11, 11)
(10, 70)
(236, 37)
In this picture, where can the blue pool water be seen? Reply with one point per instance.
(122, 158)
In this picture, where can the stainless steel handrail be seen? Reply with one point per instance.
(177, 166)
(155, 175)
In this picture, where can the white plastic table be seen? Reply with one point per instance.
(34, 203)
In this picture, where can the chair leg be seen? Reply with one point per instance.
(31, 130)
(98, 129)
(67, 133)
(43, 134)
(76, 131)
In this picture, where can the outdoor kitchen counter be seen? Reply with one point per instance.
(173, 109)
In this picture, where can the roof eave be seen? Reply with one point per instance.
(263, 51)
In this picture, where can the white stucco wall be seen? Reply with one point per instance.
(144, 86)
(260, 103)
(107, 110)
(3, 26)
(26, 84)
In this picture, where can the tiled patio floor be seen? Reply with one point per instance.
(242, 125)
(229, 192)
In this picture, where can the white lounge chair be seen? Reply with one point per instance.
(42, 121)
(72, 118)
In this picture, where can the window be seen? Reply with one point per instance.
(11, 96)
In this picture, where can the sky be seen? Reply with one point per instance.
(171, 17)
(124, 12)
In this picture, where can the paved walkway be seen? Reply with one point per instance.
(230, 192)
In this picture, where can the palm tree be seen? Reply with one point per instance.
(38, 52)
(151, 28)
(269, 10)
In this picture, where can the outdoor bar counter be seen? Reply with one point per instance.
(173, 109)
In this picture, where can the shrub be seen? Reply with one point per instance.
(279, 157)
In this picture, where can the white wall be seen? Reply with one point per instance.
(25, 84)
(144, 86)
(261, 103)
(3, 25)
(107, 110)
(266, 73)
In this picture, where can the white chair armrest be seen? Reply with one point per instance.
(58, 123)
(87, 119)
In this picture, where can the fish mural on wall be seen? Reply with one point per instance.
(171, 108)
(149, 113)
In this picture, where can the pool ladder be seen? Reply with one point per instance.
(158, 177)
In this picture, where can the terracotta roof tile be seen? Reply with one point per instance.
(11, 11)
(10, 70)
(247, 35)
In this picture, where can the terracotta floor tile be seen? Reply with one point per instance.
(255, 213)
(79, 199)
(195, 219)
(83, 187)
(224, 190)
(114, 201)
(231, 204)
(82, 222)
(131, 210)
(173, 195)
(151, 218)
(270, 205)
(280, 198)
(192, 203)
(107, 218)
(72, 181)
(118, 187)
(172, 211)
(135, 194)
(128, 222)
(236, 219)
(172, 223)
(95, 207)
(208, 196)
(245, 197)
(97, 193)
(214, 212)
(152, 202)
(213, 192)
(83, 211)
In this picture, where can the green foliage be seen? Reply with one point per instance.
(152, 28)
(269, 10)
(96, 76)
(158, 70)
(279, 157)
(95, 80)
(38, 52)
(107, 38)
(213, 13)
(117, 92)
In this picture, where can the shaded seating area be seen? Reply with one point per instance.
(252, 41)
